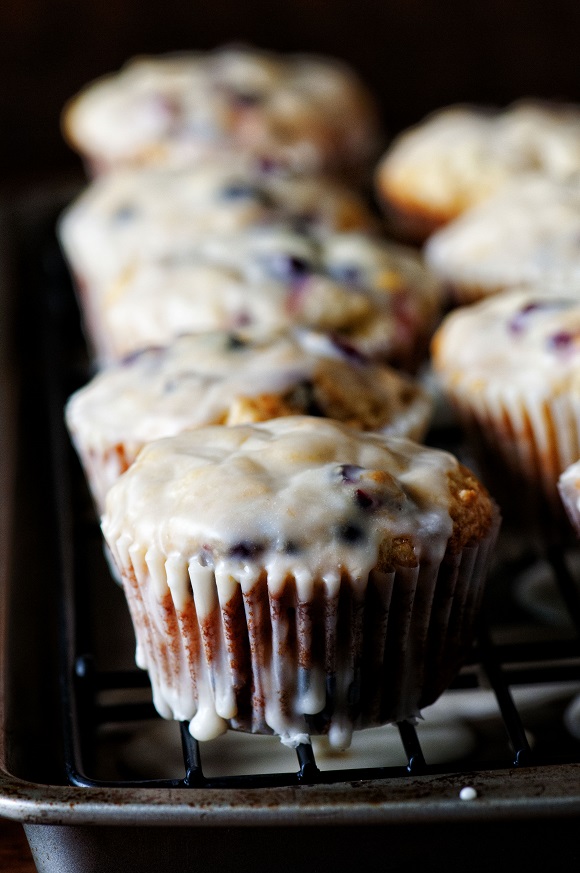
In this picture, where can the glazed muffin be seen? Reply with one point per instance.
(527, 234)
(459, 156)
(298, 577)
(300, 112)
(134, 214)
(511, 366)
(375, 297)
(224, 378)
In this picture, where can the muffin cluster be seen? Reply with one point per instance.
(494, 197)
(294, 560)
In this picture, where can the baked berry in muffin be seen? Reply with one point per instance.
(298, 576)
(301, 112)
(226, 378)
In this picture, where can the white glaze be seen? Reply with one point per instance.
(244, 484)
(239, 281)
(525, 234)
(131, 215)
(204, 379)
(308, 113)
(509, 340)
(461, 155)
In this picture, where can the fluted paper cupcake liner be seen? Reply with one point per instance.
(103, 467)
(261, 657)
(535, 437)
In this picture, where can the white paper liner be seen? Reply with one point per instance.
(358, 653)
(536, 437)
(102, 468)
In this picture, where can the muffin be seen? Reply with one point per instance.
(511, 366)
(298, 577)
(133, 214)
(526, 234)
(300, 112)
(375, 297)
(459, 156)
(224, 378)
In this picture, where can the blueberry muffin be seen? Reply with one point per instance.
(375, 297)
(224, 378)
(297, 576)
(131, 215)
(511, 366)
(459, 156)
(299, 112)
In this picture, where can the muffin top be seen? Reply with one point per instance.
(225, 378)
(460, 155)
(130, 214)
(515, 340)
(297, 496)
(525, 234)
(375, 296)
(442, 165)
(298, 111)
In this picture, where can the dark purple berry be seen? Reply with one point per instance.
(235, 343)
(561, 340)
(348, 350)
(288, 268)
(365, 500)
(245, 549)
(349, 533)
(290, 547)
(304, 398)
(518, 323)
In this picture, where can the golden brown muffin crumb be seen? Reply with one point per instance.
(471, 509)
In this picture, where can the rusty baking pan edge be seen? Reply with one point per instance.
(527, 793)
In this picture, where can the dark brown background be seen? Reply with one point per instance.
(415, 54)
